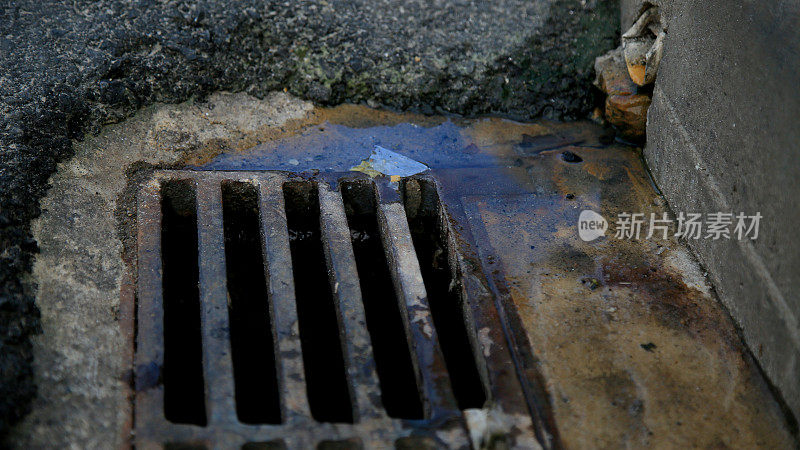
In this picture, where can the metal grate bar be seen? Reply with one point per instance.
(217, 363)
(278, 258)
(359, 359)
(150, 345)
(430, 365)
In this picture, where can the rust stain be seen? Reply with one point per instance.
(631, 354)
(669, 300)
(244, 140)
(636, 72)
(500, 133)
(359, 116)
(599, 171)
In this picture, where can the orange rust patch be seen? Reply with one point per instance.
(600, 171)
(636, 71)
(359, 116)
(241, 141)
(494, 132)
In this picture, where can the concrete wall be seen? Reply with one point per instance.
(723, 134)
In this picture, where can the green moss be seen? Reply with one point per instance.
(301, 52)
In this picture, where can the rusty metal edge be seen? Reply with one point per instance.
(433, 378)
(282, 307)
(530, 379)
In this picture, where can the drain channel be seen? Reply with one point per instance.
(267, 305)
(252, 345)
(184, 397)
(442, 282)
(350, 444)
(328, 393)
(399, 391)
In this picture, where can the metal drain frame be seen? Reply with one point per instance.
(507, 414)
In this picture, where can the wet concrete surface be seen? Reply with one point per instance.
(633, 346)
(620, 343)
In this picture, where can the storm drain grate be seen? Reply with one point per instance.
(275, 312)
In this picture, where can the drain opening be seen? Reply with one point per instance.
(270, 445)
(429, 233)
(347, 444)
(399, 392)
(326, 382)
(252, 343)
(184, 446)
(184, 395)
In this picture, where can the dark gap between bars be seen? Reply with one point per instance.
(184, 391)
(429, 233)
(326, 381)
(252, 344)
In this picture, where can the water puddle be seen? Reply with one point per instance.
(338, 139)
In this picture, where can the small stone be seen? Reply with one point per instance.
(293, 162)
(625, 107)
